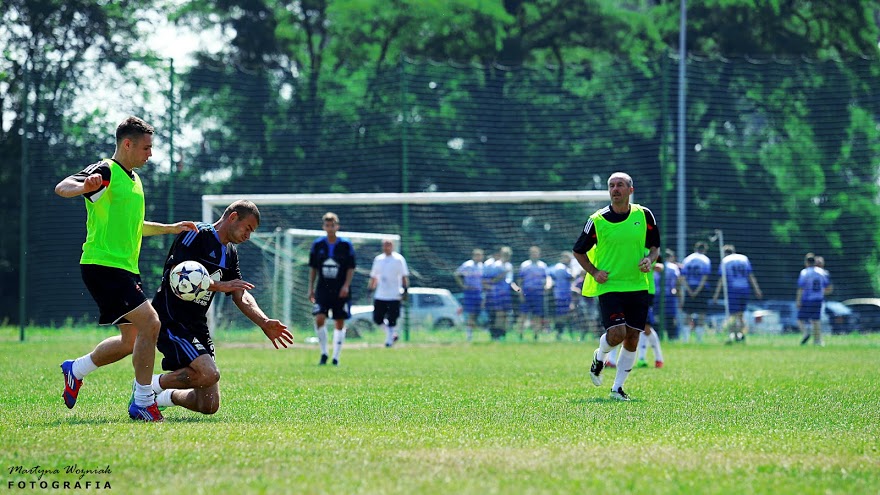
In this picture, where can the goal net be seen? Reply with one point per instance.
(435, 231)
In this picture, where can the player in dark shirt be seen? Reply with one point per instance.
(331, 264)
(184, 339)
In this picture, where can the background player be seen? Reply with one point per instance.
(331, 265)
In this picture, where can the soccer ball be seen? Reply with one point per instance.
(189, 280)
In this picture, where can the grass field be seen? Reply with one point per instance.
(767, 417)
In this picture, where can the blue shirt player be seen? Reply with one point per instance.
(470, 278)
(737, 271)
(813, 284)
(331, 265)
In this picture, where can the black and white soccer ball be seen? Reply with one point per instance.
(189, 280)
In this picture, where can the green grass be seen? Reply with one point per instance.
(768, 417)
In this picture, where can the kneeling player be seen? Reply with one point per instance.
(184, 339)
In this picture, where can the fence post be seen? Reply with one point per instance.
(171, 130)
(23, 222)
(404, 177)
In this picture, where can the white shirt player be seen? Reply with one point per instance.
(389, 270)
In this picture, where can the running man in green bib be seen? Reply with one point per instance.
(115, 226)
(618, 247)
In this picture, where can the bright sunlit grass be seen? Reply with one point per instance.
(767, 417)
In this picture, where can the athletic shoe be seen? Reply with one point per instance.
(335, 362)
(805, 339)
(131, 399)
(658, 364)
(72, 384)
(619, 394)
(596, 369)
(609, 364)
(387, 344)
(642, 364)
(149, 414)
(323, 359)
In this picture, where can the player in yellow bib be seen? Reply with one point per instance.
(115, 225)
(617, 249)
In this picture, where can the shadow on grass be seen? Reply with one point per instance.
(600, 400)
(195, 418)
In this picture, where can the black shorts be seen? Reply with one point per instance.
(383, 310)
(116, 291)
(698, 304)
(338, 308)
(182, 345)
(629, 308)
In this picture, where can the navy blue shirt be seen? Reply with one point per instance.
(331, 262)
(205, 247)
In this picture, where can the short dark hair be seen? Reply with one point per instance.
(330, 217)
(810, 259)
(244, 208)
(729, 249)
(132, 127)
(700, 247)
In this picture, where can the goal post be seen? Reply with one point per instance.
(436, 231)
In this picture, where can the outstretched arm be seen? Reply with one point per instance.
(275, 330)
(153, 228)
(754, 281)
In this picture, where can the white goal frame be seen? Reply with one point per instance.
(210, 201)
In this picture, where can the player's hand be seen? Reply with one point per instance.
(277, 332)
(312, 296)
(92, 183)
(601, 276)
(184, 226)
(343, 292)
(230, 286)
(645, 265)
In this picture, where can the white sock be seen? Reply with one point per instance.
(83, 366)
(156, 387)
(164, 399)
(469, 331)
(393, 333)
(643, 346)
(700, 330)
(654, 340)
(321, 332)
(338, 340)
(612, 356)
(389, 335)
(624, 366)
(604, 348)
(143, 395)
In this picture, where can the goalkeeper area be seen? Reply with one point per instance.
(436, 232)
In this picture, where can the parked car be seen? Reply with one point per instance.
(868, 311)
(758, 318)
(431, 308)
(836, 317)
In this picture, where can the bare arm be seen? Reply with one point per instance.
(601, 276)
(153, 228)
(312, 274)
(70, 187)
(275, 330)
(346, 287)
(797, 299)
(754, 282)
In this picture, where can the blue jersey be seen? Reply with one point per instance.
(736, 268)
(562, 279)
(202, 245)
(331, 262)
(694, 268)
(533, 275)
(813, 281)
(472, 275)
